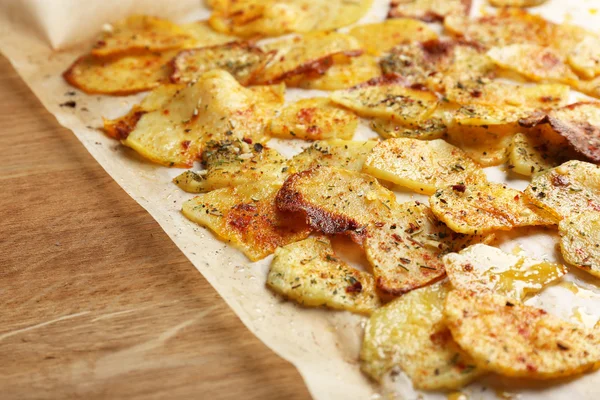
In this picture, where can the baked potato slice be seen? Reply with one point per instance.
(428, 10)
(346, 154)
(483, 143)
(516, 3)
(529, 154)
(309, 273)
(246, 217)
(421, 166)
(517, 340)
(480, 208)
(378, 38)
(429, 129)
(584, 58)
(410, 333)
(580, 241)
(482, 268)
(314, 119)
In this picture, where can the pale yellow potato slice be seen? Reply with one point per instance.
(204, 35)
(580, 241)
(517, 340)
(530, 154)
(388, 97)
(346, 154)
(380, 37)
(484, 207)
(485, 144)
(233, 163)
(314, 119)
(480, 115)
(406, 249)
(422, 166)
(428, 10)
(409, 333)
(483, 268)
(584, 58)
(311, 274)
(516, 3)
(431, 128)
(309, 55)
(336, 201)
(216, 108)
(246, 217)
(569, 189)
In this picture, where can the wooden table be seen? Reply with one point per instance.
(97, 302)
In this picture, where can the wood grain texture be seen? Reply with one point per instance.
(97, 302)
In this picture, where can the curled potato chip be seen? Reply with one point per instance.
(390, 33)
(406, 248)
(336, 200)
(242, 60)
(310, 273)
(246, 217)
(346, 154)
(428, 10)
(579, 123)
(517, 340)
(569, 189)
(529, 154)
(484, 207)
(516, 3)
(422, 166)
(580, 241)
(482, 268)
(410, 333)
(314, 119)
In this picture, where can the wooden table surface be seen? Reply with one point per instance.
(97, 302)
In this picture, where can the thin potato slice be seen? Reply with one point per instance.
(390, 33)
(480, 115)
(579, 123)
(233, 163)
(346, 154)
(428, 10)
(517, 340)
(336, 201)
(485, 144)
(406, 248)
(569, 189)
(431, 128)
(516, 3)
(388, 97)
(410, 333)
(242, 60)
(584, 58)
(482, 268)
(314, 119)
(203, 35)
(310, 273)
(529, 154)
(246, 217)
(580, 241)
(484, 207)
(422, 166)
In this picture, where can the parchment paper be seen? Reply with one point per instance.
(41, 38)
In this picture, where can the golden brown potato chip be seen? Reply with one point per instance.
(346, 154)
(410, 333)
(485, 144)
(516, 3)
(569, 189)
(204, 35)
(484, 207)
(246, 217)
(406, 248)
(529, 154)
(380, 37)
(428, 10)
(580, 241)
(431, 128)
(422, 166)
(482, 268)
(584, 57)
(336, 200)
(314, 119)
(517, 340)
(310, 273)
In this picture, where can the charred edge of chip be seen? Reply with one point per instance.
(124, 126)
(388, 288)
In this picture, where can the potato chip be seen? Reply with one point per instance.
(516, 3)
(242, 60)
(517, 340)
(579, 123)
(216, 108)
(485, 144)
(569, 189)
(406, 248)
(529, 154)
(246, 217)
(346, 154)
(422, 166)
(580, 241)
(203, 35)
(314, 119)
(390, 33)
(431, 128)
(428, 10)
(482, 268)
(336, 200)
(484, 207)
(310, 273)
(388, 97)
(410, 333)
(341, 75)
(584, 58)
